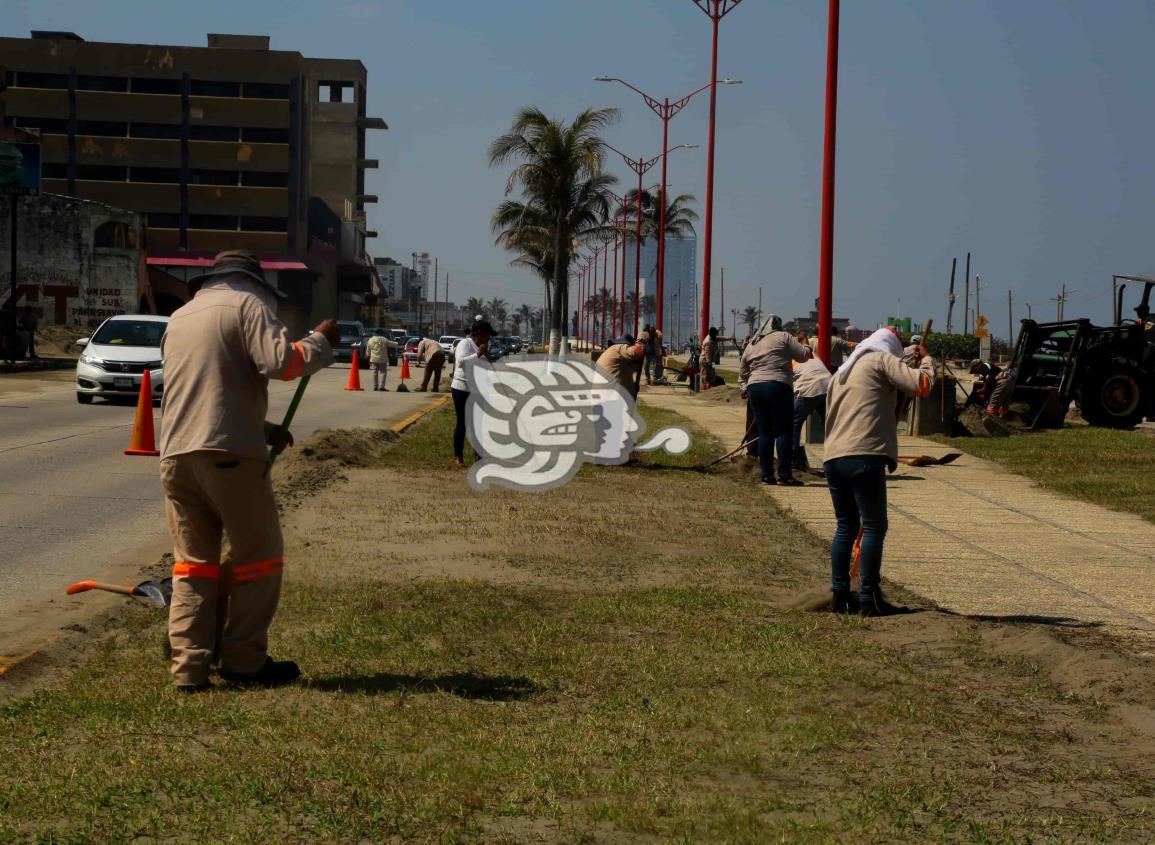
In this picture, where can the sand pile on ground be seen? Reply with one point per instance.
(305, 471)
(723, 393)
(60, 340)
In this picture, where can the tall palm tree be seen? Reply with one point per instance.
(523, 314)
(537, 318)
(649, 308)
(564, 190)
(751, 316)
(497, 311)
(475, 306)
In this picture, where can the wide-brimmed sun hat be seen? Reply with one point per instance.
(235, 262)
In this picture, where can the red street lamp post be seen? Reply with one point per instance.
(605, 264)
(826, 258)
(641, 167)
(665, 110)
(715, 10)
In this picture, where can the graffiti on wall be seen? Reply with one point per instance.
(63, 301)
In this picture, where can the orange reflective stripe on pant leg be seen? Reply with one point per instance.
(260, 569)
(196, 570)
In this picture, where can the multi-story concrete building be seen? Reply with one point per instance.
(231, 145)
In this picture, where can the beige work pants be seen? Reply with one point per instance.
(208, 494)
(433, 369)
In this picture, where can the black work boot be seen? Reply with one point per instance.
(274, 673)
(844, 602)
(876, 605)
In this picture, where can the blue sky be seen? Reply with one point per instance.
(1016, 130)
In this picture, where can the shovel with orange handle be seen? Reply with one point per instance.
(150, 590)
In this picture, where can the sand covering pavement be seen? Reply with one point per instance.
(975, 538)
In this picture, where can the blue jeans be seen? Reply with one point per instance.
(773, 404)
(858, 489)
(804, 406)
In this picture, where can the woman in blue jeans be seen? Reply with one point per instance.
(861, 447)
(766, 379)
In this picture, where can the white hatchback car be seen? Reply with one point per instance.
(114, 359)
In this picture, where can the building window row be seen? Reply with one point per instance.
(144, 85)
(220, 222)
(155, 131)
(166, 175)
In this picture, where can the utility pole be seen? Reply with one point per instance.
(1062, 301)
(1010, 320)
(950, 299)
(978, 307)
(967, 296)
(1030, 316)
(722, 297)
(436, 273)
(445, 327)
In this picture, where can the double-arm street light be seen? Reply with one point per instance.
(641, 167)
(665, 110)
(715, 10)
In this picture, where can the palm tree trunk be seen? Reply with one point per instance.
(560, 271)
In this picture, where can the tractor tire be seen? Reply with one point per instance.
(1115, 396)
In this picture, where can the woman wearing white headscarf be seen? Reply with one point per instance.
(861, 445)
(766, 377)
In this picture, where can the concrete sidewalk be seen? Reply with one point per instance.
(977, 539)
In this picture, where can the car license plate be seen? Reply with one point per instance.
(122, 382)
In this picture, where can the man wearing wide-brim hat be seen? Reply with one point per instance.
(220, 350)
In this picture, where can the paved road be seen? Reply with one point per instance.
(73, 506)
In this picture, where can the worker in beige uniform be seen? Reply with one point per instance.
(220, 351)
(378, 347)
(624, 361)
(430, 351)
(861, 446)
(709, 355)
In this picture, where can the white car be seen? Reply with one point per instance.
(112, 361)
(446, 342)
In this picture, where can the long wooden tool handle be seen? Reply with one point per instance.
(289, 414)
(84, 586)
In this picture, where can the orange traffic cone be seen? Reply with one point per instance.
(401, 388)
(143, 438)
(354, 373)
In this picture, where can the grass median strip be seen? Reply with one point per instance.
(1114, 469)
(612, 661)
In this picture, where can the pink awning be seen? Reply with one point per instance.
(191, 261)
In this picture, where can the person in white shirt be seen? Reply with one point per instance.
(811, 381)
(473, 347)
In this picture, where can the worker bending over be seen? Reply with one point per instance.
(861, 446)
(624, 361)
(220, 350)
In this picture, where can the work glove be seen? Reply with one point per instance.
(278, 437)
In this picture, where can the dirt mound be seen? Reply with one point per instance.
(307, 470)
(979, 424)
(357, 447)
(60, 339)
(723, 393)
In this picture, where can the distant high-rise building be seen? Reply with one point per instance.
(679, 288)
